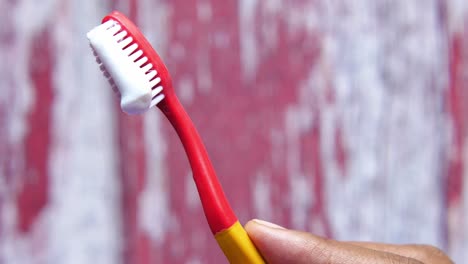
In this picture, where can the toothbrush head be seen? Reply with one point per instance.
(132, 67)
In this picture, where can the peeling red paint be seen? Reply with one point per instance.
(457, 101)
(33, 193)
(457, 98)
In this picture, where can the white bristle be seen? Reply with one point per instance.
(114, 29)
(135, 55)
(125, 67)
(120, 35)
(156, 100)
(130, 49)
(141, 61)
(151, 74)
(108, 24)
(155, 82)
(156, 91)
(147, 67)
(125, 42)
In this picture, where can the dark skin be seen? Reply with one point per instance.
(280, 245)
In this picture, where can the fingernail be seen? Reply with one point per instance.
(268, 224)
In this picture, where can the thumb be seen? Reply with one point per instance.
(280, 245)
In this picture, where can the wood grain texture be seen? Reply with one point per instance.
(342, 118)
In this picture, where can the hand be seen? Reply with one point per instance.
(283, 246)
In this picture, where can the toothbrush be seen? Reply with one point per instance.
(140, 78)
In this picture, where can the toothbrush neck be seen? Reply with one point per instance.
(217, 210)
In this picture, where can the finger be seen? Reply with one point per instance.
(425, 253)
(279, 245)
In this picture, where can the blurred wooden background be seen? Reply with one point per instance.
(343, 118)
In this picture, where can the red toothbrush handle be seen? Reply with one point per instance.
(217, 210)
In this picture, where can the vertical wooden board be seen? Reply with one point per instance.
(32, 195)
(82, 221)
(389, 97)
(27, 91)
(58, 193)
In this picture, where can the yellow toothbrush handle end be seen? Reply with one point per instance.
(237, 246)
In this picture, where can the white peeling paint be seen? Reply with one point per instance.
(154, 205)
(204, 77)
(154, 214)
(271, 11)
(298, 121)
(387, 105)
(457, 15)
(18, 95)
(388, 101)
(177, 51)
(83, 215)
(317, 227)
(193, 260)
(18, 57)
(204, 11)
(261, 189)
(259, 23)
(154, 22)
(248, 44)
(185, 89)
(301, 196)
